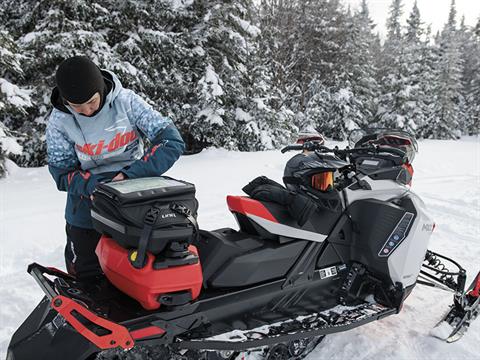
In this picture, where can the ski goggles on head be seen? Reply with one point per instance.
(322, 181)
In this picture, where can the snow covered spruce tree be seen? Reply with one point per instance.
(346, 98)
(232, 90)
(277, 22)
(362, 67)
(14, 101)
(473, 92)
(318, 66)
(354, 100)
(448, 115)
(469, 42)
(418, 94)
(393, 108)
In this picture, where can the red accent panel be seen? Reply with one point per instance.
(146, 332)
(476, 289)
(119, 335)
(409, 168)
(146, 284)
(245, 205)
(54, 269)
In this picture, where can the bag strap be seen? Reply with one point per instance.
(149, 220)
(183, 210)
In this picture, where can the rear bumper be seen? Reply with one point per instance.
(45, 336)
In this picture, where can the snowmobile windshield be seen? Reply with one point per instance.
(385, 137)
(313, 136)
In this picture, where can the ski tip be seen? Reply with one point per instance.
(442, 331)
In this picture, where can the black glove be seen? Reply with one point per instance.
(261, 180)
(299, 206)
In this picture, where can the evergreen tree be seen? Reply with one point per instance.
(427, 62)
(361, 65)
(448, 111)
(14, 101)
(416, 97)
(231, 91)
(351, 99)
(393, 103)
(472, 93)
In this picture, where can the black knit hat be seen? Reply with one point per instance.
(78, 79)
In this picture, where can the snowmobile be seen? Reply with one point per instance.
(342, 244)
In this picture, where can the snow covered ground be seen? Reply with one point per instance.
(447, 177)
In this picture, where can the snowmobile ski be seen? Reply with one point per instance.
(463, 312)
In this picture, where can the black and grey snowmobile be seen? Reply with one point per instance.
(342, 244)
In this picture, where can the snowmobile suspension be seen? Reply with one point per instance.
(437, 274)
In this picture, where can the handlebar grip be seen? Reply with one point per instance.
(391, 150)
(291, 147)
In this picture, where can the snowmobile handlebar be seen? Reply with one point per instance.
(313, 146)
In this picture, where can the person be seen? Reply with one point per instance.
(96, 132)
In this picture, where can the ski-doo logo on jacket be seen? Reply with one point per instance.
(119, 141)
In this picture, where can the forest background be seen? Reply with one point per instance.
(241, 74)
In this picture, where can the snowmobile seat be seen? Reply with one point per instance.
(232, 259)
(273, 221)
(276, 213)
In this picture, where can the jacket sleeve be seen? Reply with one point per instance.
(64, 166)
(167, 144)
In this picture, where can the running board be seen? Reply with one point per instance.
(337, 319)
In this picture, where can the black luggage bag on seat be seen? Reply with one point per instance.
(161, 209)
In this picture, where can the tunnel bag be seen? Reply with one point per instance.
(166, 207)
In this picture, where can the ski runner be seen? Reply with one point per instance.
(96, 132)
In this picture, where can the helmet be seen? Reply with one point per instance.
(385, 137)
(310, 172)
(314, 176)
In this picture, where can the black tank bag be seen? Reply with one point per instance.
(155, 214)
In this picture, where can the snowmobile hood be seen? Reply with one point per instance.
(112, 86)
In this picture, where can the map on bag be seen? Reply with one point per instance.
(142, 184)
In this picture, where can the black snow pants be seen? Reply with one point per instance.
(80, 256)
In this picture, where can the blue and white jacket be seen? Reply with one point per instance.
(83, 151)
